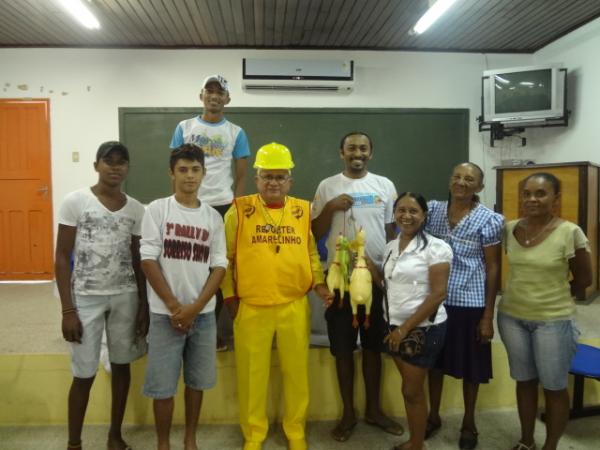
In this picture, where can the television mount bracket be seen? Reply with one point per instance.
(499, 130)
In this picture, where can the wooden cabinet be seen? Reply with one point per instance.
(578, 202)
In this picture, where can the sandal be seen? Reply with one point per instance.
(521, 446)
(342, 434)
(468, 439)
(387, 425)
(73, 446)
(432, 428)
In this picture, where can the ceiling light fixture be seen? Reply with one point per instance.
(434, 12)
(81, 13)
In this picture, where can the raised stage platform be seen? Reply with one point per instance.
(35, 373)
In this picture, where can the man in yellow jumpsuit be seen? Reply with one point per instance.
(273, 263)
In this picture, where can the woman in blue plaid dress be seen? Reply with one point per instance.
(475, 233)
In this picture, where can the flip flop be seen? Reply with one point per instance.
(521, 446)
(391, 427)
(342, 434)
(127, 447)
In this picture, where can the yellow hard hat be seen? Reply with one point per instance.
(273, 156)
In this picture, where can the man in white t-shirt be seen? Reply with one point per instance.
(184, 258)
(100, 228)
(224, 144)
(344, 203)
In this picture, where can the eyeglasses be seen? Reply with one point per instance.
(279, 179)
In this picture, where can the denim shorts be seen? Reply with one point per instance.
(117, 313)
(169, 348)
(539, 350)
(434, 342)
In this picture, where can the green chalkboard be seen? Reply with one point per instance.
(415, 148)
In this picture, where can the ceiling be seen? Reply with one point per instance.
(469, 26)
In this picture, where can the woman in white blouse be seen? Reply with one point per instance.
(415, 276)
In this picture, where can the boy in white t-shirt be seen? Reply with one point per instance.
(224, 144)
(184, 258)
(100, 227)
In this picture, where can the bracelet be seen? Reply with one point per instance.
(68, 311)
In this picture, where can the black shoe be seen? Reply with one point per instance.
(468, 439)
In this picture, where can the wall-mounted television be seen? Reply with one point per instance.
(524, 94)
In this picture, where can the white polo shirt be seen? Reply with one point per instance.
(407, 276)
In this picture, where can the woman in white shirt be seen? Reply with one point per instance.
(415, 276)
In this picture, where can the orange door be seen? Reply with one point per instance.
(25, 191)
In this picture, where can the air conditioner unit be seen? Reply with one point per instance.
(297, 75)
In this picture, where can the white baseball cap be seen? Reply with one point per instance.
(218, 79)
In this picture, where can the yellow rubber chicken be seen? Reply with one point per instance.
(360, 281)
(337, 275)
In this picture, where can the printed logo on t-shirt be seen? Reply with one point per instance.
(186, 242)
(211, 146)
(276, 234)
(249, 210)
(366, 200)
(103, 252)
(297, 212)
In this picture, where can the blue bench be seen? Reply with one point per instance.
(586, 364)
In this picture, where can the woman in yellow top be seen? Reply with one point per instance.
(535, 313)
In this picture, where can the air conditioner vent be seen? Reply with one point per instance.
(257, 87)
(271, 75)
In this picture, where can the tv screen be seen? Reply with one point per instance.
(524, 94)
(523, 91)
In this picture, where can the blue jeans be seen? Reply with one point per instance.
(168, 349)
(538, 349)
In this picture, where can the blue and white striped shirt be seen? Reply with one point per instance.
(480, 228)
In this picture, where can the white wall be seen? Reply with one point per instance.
(579, 51)
(96, 82)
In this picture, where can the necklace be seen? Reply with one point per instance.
(529, 240)
(271, 224)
